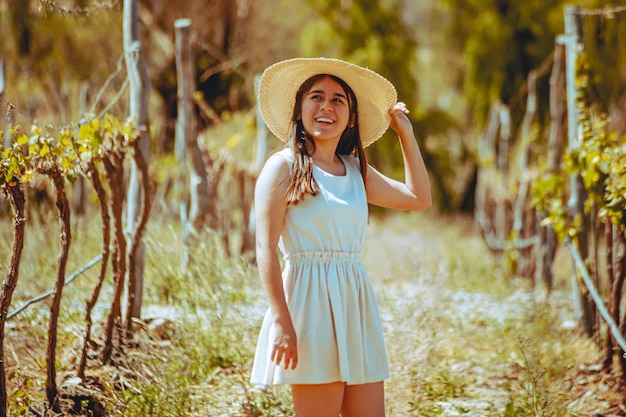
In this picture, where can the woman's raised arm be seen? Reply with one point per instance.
(412, 194)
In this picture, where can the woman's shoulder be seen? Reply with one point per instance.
(282, 157)
(285, 153)
(278, 165)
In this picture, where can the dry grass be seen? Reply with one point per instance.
(462, 338)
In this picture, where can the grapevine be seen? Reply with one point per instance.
(599, 161)
(73, 150)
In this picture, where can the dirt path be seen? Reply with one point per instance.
(435, 367)
(460, 340)
(479, 352)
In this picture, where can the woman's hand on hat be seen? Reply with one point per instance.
(284, 348)
(401, 106)
(400, 122)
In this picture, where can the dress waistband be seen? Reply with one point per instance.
(322, 255)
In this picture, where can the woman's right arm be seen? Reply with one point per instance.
(270, 209)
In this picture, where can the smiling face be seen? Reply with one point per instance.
(325, 111)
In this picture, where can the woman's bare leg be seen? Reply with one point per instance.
(364, 400)
(318, 400)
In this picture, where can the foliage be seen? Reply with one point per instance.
(375, 34)
(59, 159)
(535, 399)
(604, 40)
(41, 150)
(602, 155)
(441, 387)
(44, 54)
(501, 42)
(370, 33)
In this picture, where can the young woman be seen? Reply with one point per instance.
(322, 333)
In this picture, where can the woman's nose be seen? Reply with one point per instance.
(326, 105)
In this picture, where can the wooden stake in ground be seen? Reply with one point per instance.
(576, 204)
(139, 106)
(138, 228)
(186, 138)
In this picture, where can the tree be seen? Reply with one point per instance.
(500, 42)
(374, 34)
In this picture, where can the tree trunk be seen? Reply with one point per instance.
(615, 284)
(139, 106)
(94, 176)
(21, 20)
(15, 194)
(620, 276)
(63, 206)
(114, 170)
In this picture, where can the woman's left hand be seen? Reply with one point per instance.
(400, 123)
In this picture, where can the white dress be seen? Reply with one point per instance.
(330, 297)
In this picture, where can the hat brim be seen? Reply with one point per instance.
(280, 82)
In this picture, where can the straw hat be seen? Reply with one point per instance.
(280, 82)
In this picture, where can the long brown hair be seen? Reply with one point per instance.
(302, 180)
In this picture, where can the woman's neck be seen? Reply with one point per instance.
(325, 153)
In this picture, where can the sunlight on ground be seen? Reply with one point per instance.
(463, 339)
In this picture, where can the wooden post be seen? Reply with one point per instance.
(261, 134)
(183, 129)
(8, 138)
(557, 110)
(140, 86)
(259, 159)
(547, 245)
(501, 223)
(186, 135)
(576, 202)
(2, 87)
(80, 188)
(2, 81)
(503, 146)
(486, 156)
(525, 254)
